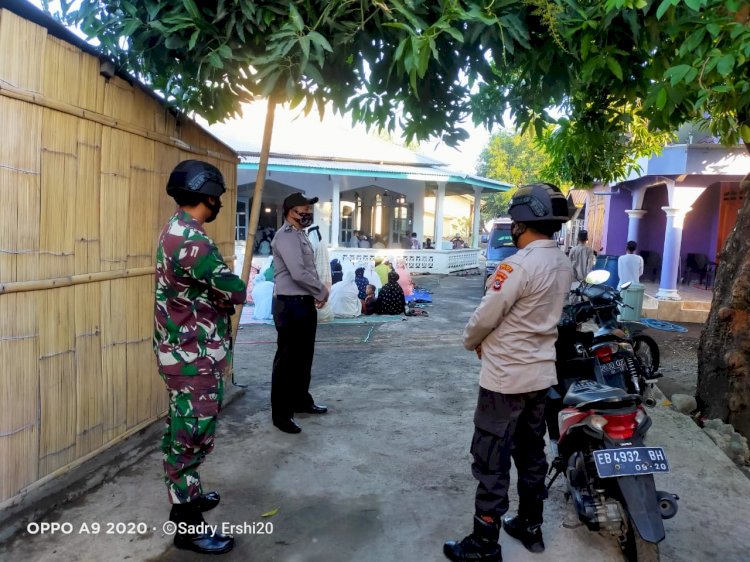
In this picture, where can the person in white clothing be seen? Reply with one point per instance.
(344, 297)
(630, 266)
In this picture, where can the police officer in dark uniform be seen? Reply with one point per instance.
(298, 292)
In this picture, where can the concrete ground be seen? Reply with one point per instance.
(385, 475)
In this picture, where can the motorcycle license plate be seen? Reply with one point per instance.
(630, 461)
(613, 367)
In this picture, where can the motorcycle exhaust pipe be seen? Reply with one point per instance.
(650, 402)
(667, 504)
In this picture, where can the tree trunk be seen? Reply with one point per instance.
(724, 350)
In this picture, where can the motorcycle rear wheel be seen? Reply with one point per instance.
(638, 550)
(647, 352)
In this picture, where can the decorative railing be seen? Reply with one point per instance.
(417, 261)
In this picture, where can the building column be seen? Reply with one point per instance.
(439, 214)
(634, 221)
(335, 212)
(671, 260)
(477, 216)
(417, 224)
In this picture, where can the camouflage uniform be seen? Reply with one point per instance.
(195, 293)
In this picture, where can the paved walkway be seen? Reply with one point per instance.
(385, 476)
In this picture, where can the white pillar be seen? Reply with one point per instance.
(335, 212)
(671, 260)
(477, 217)
(418, 220)
(439, 214)
(634, 220)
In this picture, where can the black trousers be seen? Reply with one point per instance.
(509, 425)
(296, 321)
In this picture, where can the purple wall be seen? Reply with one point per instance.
(614, 239)
(651, 235)
(699, 235)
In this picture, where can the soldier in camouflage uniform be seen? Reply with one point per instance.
(195, 296)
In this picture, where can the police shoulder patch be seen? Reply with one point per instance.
(501, 274)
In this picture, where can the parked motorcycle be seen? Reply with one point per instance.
(608, 468)
(614, 342)
(598, 424)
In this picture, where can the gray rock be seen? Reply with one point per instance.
(728, 440)
(684, 403)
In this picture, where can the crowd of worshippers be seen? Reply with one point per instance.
(361, 240)
(366, 288)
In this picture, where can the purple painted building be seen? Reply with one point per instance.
(680, 209)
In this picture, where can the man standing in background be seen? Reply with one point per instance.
(582, 257)
(630, 266)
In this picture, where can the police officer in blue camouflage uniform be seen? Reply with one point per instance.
(298, 292)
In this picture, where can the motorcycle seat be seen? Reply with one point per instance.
(591, 394)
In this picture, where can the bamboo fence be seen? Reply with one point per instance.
(83, 167)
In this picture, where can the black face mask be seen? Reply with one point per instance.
(214, 208)
(305, 219)
(516, 231)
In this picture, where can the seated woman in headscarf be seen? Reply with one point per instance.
(262, 298)
(372, 275)
(344, 298)
(391, 298)
(404, 278)
(337, 273)
(382, 268)
(361, 282)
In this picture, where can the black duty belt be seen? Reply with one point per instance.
(293, 297)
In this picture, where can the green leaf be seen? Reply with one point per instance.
(678, 73)
(694, 5)
(725, 65)
(693, 41)
(192, 9)
(614, 67)
(745, 133)
(215, 60)
(661, 98)
(174, 42)
(662, 9)
(270, 513)
(714, 29)
(321, 41)
(193, 39)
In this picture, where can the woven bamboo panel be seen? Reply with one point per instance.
(61, 78)
(58, 208)
(113, 338)
(57, 378)
(87, 235)
(19, 192)
(19, 389)
(89, 381)
(84, 201)
(22, 46)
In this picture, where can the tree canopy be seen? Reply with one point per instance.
(515, 158)
(617, 70)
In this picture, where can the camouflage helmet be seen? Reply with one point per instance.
(195, 176)
(539, 202)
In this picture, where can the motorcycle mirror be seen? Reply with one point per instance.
(597, 277)
(624, 286)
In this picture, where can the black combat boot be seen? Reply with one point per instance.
(193, 537)
(526, 529)
(479, 546)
